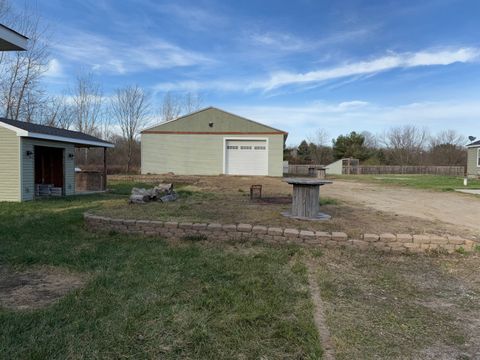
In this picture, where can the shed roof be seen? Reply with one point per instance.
(212, 120)
(32, 130)
(474, 144)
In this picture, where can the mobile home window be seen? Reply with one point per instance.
(478, 157)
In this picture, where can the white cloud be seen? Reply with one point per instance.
(107, 55)
(192, 85)
(54, 69)
(280, 41)
(339, 118)
(196, 18)
(354, 104)
(384, 63)
(344, 73)
(287, 42)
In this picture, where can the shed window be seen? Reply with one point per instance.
(231, 147)
(245, 148)
(260, 148)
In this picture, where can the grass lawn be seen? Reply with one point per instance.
(149, 298)
(146, 298)
(432, 182)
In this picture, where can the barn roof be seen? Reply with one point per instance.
(212, 120)
(44, 132)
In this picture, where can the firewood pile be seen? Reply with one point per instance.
(161, 193)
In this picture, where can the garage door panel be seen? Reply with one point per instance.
(246, 157)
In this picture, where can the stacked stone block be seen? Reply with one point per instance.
(393, 243)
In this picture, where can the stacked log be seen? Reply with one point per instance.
(161, 192)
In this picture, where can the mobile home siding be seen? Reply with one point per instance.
(197, 154)
(28, 166)
(472, 165)
(9, 165)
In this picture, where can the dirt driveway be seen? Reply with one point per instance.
(457, 209)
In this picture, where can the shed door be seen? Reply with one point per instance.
(246, 157)
(49, 165)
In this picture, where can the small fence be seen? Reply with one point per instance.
(381, 170)
(303, 169)
(420, 170)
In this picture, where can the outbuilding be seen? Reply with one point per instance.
(473, 159)
(212, 142)
(38, 160)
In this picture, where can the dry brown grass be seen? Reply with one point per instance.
(401, 307)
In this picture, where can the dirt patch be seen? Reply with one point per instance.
(442, 207)
(273, 200)
(359, 207)
(35, 289)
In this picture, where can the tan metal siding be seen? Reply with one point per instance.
(472, 165)
(182, 154)
(190, 154)
(275, 155)
(9, 165)
(28, 166)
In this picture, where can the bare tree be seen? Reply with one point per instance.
(86, 110)
(55, 111)
(371, 140)
(191, 102)
(171, 107)
(130, 107)
(447, 148)
(319, 148)
(448, 137)
(87, 105)
(174, 105)
(406, 144)
(20, 71)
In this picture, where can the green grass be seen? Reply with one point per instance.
(432, 182)
(146, 298)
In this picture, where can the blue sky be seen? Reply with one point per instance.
(297, 65)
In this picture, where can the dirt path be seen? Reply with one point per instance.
(319, 315)
(457, 209)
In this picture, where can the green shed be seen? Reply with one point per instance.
(473, 159)
(212, 142)
(37, 160)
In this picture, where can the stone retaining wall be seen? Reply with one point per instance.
(397, 243)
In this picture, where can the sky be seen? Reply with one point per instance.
(299, 66)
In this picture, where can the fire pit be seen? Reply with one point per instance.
(306, 199)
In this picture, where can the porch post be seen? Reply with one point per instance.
(104, 169)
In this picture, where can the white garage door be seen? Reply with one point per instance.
(246, 157)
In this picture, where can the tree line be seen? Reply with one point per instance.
(403, 145)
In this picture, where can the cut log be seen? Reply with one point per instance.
(139, 199)
(169, 197)
(164, 187)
